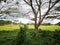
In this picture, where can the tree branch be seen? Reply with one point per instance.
(48, 11)
(39, 11)
(27, 2)
(36, 2)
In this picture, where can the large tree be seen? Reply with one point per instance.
(36, 6)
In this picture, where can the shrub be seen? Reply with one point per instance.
(21, 35)
(56, 36)
(46, 24)
(58, 23)
(3, 22)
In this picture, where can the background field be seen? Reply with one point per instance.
(43, 27)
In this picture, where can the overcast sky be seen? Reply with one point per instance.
(23, 7)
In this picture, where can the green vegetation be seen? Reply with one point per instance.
(58, 23)
(42, 27)
(4, 22)
(21, 35)
(46, 27)
(9, 27)
(12, 35)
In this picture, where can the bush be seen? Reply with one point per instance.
(3, 22)
(21, 35)
(56, 36)
(58, 23)
(46, 24)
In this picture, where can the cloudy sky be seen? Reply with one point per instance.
(23, 8)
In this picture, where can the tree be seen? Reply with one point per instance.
(3, 0)
(37, 11)
(8, 7)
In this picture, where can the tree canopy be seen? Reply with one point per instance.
(7, 8)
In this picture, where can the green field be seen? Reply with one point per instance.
(43, 27)
(9, 27)
(47, 35)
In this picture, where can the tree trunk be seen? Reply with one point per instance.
(36, 30)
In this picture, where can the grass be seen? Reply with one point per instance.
(43, 27)
(9, 27)
(8, 35)
(46, 27)
(50, 28)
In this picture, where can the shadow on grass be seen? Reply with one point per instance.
(8, 37)
(44, 38)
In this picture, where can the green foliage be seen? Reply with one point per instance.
(2, 22)
(58, 23)
(21, 35)
(56, 36)
(26, 36)
(46, 24)
(45, 37)
(8, 37)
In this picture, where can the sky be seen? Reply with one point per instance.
(23, 8)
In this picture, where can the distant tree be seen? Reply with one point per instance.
(4, 22)
(8, 8)
(36, 6)
(3, 0)
(58, 23)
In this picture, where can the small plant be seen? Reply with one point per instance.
(21, 35)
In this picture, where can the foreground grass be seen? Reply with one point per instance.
(45, 38)
(8, 37)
